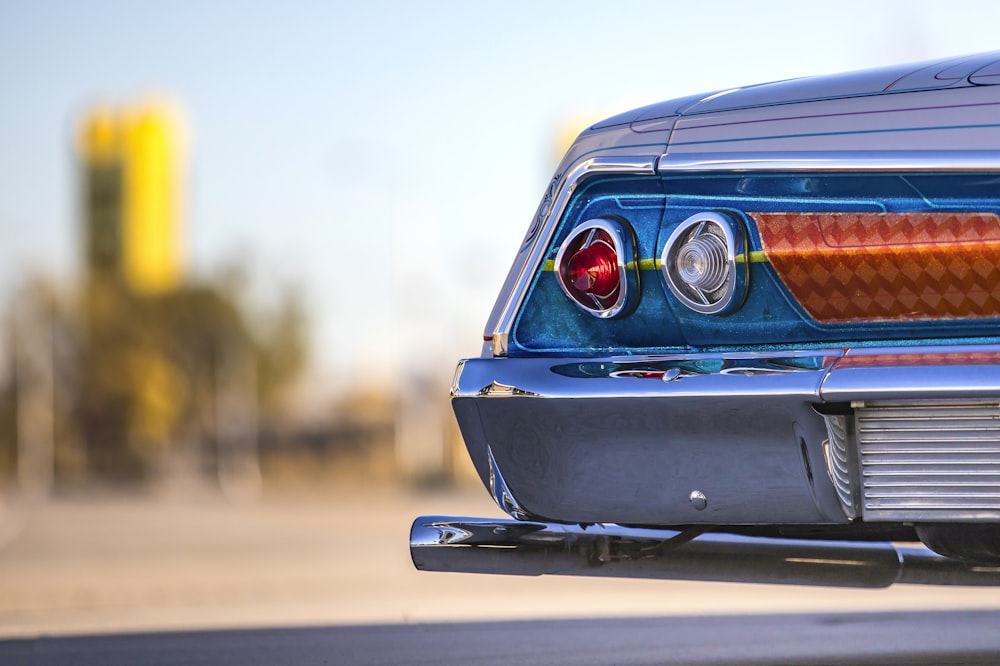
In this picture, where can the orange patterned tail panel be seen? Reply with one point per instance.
(917, 359)
(856, 267)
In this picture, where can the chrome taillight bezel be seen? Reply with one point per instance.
(619, 235)
(728, 235)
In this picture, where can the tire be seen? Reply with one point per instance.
(979, 544)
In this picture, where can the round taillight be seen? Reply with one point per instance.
(704, 263)
(597, 269)
(594, 270)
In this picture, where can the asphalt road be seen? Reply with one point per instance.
(959, 637)
(324, 577)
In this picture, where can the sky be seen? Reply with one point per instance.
(385, 158)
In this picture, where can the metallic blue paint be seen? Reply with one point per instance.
(769, 318)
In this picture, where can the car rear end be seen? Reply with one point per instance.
(773, 310)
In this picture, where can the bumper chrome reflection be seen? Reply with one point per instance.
(501, 546)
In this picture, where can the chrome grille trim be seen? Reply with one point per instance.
(838, 462)
(933, 461)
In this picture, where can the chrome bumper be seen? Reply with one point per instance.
(500, 546)
(719, 439)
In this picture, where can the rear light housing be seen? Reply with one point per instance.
(597, 268)
(704, 263)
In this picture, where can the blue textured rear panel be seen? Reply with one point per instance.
(769, 318)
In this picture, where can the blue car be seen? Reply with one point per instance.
(752, 335)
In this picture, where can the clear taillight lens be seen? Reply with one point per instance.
(704, 263)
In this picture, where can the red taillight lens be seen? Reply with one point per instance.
(597, 269)
(594, 270)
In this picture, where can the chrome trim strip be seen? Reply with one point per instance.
(986, 160)
(457, 376)
(501, 492)
(918, 380)
(502, 546)
(567, 185)
(889, 348)
(534, 379)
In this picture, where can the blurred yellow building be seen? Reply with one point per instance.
(133, 163)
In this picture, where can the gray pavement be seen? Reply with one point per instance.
(869, 639)
(190, 560)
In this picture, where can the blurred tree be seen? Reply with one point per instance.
(282, 350)
(163, 361)
(155, 370)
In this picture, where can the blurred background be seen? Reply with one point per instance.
(242, 245)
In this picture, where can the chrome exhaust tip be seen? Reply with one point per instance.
(528, 548)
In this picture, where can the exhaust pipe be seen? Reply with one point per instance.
(527, 548)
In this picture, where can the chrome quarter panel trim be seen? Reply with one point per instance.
(915, 373)
(829, 161)
(616, 150)
(502, 546)
(626, 449)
